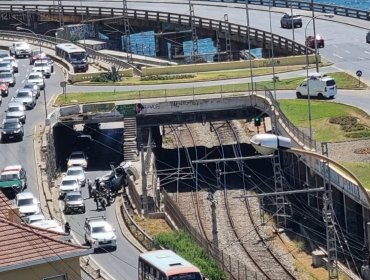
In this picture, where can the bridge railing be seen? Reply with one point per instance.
(305, 5)
(115, 14)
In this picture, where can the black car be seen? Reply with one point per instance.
(12, 129)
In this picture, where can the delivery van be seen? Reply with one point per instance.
(317, 85)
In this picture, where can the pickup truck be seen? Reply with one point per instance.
(20, 49)
(289, 21)
(13, 177)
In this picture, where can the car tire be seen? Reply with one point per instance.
(87, 241)
(299, 95)
(320, 95)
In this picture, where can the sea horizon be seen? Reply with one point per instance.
(355, 4)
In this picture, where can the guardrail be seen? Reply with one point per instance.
(236, 30)
(50, 42)
(303, 5)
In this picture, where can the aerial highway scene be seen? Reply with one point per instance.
(184, 140)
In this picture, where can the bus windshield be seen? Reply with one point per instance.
(78, 56)
(186, 276)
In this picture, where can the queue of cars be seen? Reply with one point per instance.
(26, 97)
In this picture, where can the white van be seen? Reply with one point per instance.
(317, 85)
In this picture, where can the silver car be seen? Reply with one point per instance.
(6, 66)
(8, 77)
(26, 97)
(36, 78)
(12, 61)
(35, 89)
(16, 110)
(74, 202)
(79, 173)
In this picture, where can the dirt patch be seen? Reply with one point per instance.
(152, 226)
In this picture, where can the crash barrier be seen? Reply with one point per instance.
(206, 67)
(305, 5)
(134, 228)
(50, 42)
(115, 15)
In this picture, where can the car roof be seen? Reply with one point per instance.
(97, 223)
(73, 193)
(25, 195)
(11, 120)
(35, 217)
(15, 104)
(75, 168)
(68, 177)
(17, 167)
(77, 153)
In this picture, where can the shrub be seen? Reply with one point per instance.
(183, 244)
(347, 120)
(167, 77)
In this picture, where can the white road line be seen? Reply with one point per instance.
(347, 51)
(367, 52)
(337, 55)
(361, 58)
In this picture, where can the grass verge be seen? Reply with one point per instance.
(344, 81)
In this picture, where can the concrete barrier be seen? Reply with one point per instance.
(70, 110)
(219, 66)
(105, 107)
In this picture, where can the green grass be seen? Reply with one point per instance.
(321, 111)
(344, 81)
(184, 245)
(360, 170)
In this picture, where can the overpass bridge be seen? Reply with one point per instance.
(350, 197)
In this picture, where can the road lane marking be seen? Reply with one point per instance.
(337, 55)
(347, 51)
(367, 52)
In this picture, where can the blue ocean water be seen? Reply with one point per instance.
(355, 4)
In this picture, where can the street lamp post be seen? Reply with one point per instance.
(38, 36)
(307, 64)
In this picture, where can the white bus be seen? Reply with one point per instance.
(74, 54)
(166, 265)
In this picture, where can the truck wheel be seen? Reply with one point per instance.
(299, 95)
(320, 95)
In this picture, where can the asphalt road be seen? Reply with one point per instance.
(345, 45)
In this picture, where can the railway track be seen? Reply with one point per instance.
(240, 217)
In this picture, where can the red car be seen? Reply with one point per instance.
(36, 55)
(4, 89)
(310, 41)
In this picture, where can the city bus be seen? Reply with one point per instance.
(74, 54)
(166, 265)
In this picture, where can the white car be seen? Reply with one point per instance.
(27, 204)
(43, 67)
(13, 62)
(36, 78)
(52, 225)
(69, 184)
(99, 233)
(20, 49)
(34, 218)
(77, 158)
(79, 173)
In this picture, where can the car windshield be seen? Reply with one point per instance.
(4, 54)
(8, 177)
(41, 64)
(68, 182)
(330, 83)
(34, 76)
(31, 86)
(14, 109)
(101, 229)
(21, 45)
(78, 56)
(74, 172)
(76, 156)
(73, 197)
(6, 75)
(11, 125)
(25, 202)
(23, 94)
(186, 276)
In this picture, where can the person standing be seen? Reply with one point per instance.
(67, 228)
(89, 187)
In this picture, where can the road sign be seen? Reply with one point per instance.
(358, 73)
(63, 84)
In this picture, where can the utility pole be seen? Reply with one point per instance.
(194, 36)
(126, 24)
(213, 201)
(227, 37)
(60, 13)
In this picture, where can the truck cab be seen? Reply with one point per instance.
(13, 176)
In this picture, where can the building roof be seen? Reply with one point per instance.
(24, 246)
(5, 205)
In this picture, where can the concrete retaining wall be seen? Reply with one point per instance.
(204, 67)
